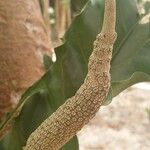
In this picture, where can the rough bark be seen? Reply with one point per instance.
(23, 41)
(63, 124)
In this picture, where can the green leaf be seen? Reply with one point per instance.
(130, 65)
(77, 5)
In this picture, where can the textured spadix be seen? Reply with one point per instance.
(69, 118)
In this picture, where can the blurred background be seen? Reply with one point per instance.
(61, 13)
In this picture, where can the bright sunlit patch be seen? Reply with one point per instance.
(145, 19)
(51, 10)
(143, 85)
(53, 57)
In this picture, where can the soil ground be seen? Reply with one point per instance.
(122, 125)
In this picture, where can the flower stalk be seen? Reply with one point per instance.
(69, 118)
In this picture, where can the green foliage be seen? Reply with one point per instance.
(77, 5)
(130, 64)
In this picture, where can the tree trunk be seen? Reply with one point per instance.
(24, 38)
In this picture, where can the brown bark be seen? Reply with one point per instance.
(24, 38)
